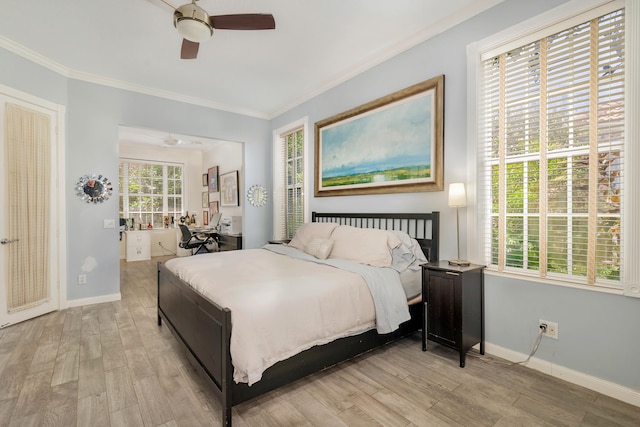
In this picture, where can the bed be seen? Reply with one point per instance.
(202, 323)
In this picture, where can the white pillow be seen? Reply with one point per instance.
(408, 255)
(309, 230)
(363, 245)
(319, 247)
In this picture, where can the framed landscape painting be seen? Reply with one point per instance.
(393, 144)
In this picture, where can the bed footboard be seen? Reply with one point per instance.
(204, 329)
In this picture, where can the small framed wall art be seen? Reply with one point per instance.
(229, 195)
(213, 179)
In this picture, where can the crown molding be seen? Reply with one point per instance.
(451, 21)
(43, 61)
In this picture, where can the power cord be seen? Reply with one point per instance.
(536, 344)
(534, 348)
(165, 249)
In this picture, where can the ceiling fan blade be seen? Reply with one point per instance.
(243, 21)
(189, 49)
(159, 3)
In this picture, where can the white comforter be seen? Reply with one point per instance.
(316, 304)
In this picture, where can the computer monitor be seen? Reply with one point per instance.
(215, 219)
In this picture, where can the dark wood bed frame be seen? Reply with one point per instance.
(204, 328)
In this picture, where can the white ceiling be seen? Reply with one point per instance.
(140, 137)
(133, 44)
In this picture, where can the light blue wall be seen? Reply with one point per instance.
(443, 54)
(598, 331)
(21, 74)
(93, 115)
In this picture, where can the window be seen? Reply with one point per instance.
(551, 147)
(150, 190)
(289, 181)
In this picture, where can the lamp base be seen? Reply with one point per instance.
(459, 262)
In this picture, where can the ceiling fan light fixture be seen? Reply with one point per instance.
(192, 22)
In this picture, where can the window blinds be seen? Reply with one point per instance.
(552, 154)
(289, 184)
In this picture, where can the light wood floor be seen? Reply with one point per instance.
(110, 364)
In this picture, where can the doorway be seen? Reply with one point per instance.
(196, 154)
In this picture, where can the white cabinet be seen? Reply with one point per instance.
(138, 245)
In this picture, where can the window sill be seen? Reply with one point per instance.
(547, 281)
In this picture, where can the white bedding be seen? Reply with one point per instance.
(316, 304)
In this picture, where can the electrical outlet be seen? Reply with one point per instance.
(82, 279)
(552, 329)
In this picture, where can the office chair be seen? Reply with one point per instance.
(191, 242)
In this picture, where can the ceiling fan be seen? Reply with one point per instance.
(195, 25)
(170, 141)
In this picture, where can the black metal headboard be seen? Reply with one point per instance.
(424, 227)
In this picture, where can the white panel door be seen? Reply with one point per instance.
(11, 242)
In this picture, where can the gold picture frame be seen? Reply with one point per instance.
(393, 144)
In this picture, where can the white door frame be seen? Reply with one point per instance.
(58, 259)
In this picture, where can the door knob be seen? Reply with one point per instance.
(5, 241)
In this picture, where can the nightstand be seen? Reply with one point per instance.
(453, 306)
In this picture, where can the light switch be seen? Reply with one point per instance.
(109, 223)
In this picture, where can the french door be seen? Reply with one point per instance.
(30, 220)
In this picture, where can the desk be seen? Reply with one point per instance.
(229, 242)
(226, 242)
(210, 232)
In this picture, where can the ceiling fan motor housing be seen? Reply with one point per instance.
(192, 23)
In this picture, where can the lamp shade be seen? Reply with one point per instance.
(457, 195)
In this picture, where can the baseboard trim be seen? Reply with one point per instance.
(607, 388)
(92, 300)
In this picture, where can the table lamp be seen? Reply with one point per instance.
(458, 199)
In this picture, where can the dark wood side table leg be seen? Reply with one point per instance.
(462, 357)
(424, 326)
(482, 314)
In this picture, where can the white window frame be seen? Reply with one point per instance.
(278, 172)
(165, 196)
(572, 13)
